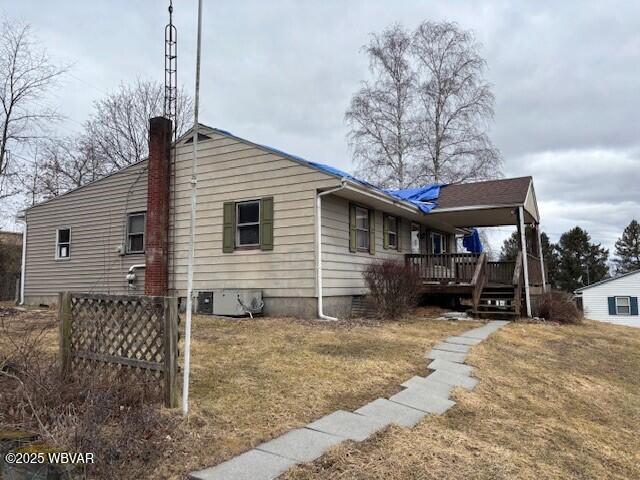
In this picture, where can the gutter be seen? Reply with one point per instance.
(319, 247)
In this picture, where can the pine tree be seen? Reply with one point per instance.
(628, 249)
(580, 262)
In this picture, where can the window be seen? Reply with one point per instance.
(135, 232)
(362, 228)
(392, 232)
(623, 306)
(438, 244)
(415, 238)
(248, 224)
(63, 244)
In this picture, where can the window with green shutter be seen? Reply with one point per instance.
(361, 229)
(248, 225)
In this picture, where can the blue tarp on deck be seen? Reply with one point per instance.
(472, 242)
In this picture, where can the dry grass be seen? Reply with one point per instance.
(554, 402)
(256, 379)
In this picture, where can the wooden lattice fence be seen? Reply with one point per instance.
(113, 332)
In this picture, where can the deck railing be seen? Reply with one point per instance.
(445, 267)
(500, 272)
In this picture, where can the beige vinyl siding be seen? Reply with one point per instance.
(341, 268)
(230, 171)
(97, 216)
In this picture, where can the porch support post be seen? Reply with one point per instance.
(525, 261)
(544, 279)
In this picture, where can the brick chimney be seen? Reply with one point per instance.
(157, 228)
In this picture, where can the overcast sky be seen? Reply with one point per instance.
(566, 77)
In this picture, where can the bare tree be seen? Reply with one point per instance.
(26, 76)
(424, 116)
(380, 114)
(456, 104)
(118, 130)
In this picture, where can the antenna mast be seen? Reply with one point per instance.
(171, 70)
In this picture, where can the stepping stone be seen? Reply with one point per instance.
(430, 385)
(251, 465)
(459, 368)
(349, 425)
(419, 398)
(454, 379)
(392, 412)
(302, 445)
(452, 347)
(480, 334)
(463, 340)
(450, 356)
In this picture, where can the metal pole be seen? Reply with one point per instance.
(194, 161)
(525, 260)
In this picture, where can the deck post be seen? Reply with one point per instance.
(525, 260)
(544, 276)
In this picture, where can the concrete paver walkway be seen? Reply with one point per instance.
(420, 396)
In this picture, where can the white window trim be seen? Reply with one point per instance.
(443, 244)
(57, 256)
(367, 230)
(144, 233)
(628, 305)
(246, 224)
(394, 232)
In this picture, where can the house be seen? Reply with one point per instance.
(265, 218)
(614, 300)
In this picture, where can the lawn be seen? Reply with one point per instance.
(253, 380)
(553, 402)
(256, 379)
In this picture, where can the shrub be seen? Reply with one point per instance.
(394, 287)
(557, 306)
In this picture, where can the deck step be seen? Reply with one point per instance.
(503, 314)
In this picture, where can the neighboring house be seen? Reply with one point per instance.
(613, 300)
(264, 219)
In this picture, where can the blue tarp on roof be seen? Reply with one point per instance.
(422, 197)
(472, 242)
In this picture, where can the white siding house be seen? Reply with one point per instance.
(614, 300)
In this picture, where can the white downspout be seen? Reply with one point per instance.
(319, 248)
(23, 268)
(525, 260)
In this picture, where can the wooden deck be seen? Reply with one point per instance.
(472, 276)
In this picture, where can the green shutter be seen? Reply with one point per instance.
(266, 223)
(385, 231)
(228, 229)
(352, 228)
(400, 237)
(372, 232)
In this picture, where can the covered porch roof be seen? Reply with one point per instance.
(487, 204)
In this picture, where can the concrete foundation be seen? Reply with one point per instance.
(307, 307)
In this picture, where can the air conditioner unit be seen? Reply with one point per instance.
(237, 302)
(205, 303)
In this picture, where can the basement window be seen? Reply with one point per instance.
(135, 232)
(623, 306)
(248, 224)
(63, 244)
